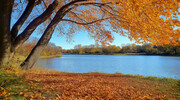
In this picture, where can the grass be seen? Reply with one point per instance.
(22, 58)
(14, 86)
(49, 57)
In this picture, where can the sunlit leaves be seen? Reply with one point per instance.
(99, 86)
(45, 85)
(145, 21)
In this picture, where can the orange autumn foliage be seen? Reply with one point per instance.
(54, 85)
(96, 86)
(145, 21)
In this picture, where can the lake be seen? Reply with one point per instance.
(159, 66)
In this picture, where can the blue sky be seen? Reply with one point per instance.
(83, 38)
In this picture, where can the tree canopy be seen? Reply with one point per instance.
(145, 21)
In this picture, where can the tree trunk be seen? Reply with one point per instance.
(5, 35)
(35, 53)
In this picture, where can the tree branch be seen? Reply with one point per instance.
(38, 2)
(33, 25)
(75, 14)
(99, 20)
(44, 16)
(22, 19)
(101, 5)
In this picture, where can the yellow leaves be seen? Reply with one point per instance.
(3, 93)
(25, 95)
(21, 93)
(30, 83)
(140, 18)
(176, 22)
(31, 96)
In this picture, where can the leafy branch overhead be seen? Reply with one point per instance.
(151, 21)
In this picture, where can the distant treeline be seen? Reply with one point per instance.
(50, 49)
(133, 48)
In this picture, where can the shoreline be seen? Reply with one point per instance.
(41, 69)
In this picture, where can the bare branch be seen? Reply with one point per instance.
(33, 25)
(99, 20)
(102, 6)
(75, 14)
(44, 16)
(22, 19)
(38, 2)
(46, 8)
(115, 16)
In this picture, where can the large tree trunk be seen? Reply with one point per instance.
(5, 35)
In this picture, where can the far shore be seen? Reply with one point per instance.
(126, 54)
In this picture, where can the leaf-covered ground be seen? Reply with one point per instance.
(102, 86)
(86, 86)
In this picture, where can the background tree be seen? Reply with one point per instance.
(151, 21)
(50, 50)
(146, 49)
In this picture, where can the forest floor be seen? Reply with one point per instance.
(45, 85)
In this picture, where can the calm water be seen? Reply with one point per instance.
(160, 66)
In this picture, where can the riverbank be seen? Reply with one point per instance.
(49, 57)
(22, 58)
(19, 84)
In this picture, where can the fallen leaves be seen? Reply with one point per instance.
(82, 86)
(88, 86)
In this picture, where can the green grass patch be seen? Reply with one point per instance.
(174, 84)
(11, 85)
(49, 57)
(14, 86)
